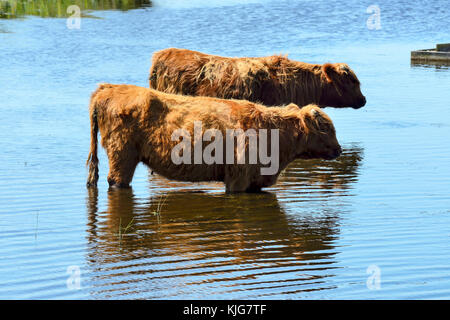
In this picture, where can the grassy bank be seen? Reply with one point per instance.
(11, 9)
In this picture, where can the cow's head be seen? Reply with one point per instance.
(342, 87)
(319, 135)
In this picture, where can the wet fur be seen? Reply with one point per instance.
(272, 81)
(136, 125)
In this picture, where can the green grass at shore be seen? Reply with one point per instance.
(10, 9)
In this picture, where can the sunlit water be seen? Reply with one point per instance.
(384, 204)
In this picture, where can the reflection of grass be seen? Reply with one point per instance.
(4, 31)
(37, 222)
(58, 8)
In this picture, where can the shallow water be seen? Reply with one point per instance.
(383, 204)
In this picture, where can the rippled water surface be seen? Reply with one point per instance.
(384, 205)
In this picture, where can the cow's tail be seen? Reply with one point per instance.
(92, 160)
(154, 69)
(152, 79)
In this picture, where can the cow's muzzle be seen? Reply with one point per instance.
(361, 103)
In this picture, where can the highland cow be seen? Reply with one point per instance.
(137, 124)
(271, 81)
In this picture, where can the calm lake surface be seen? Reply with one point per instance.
(325, 231)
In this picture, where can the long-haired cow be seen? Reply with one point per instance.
(272, 81)
(137, 124)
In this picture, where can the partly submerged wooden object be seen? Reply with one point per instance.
(440, 54)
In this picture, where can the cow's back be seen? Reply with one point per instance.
(176, 70)
(187, 72)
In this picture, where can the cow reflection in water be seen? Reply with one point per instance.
(229, 241)
(334, 176)
(189, 224)
(331, 176)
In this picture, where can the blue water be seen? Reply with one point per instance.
(385, 202)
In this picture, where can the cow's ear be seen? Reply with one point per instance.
(344, 69)
(292, 106)
(327, 70)
(310, 111)
(314, 113)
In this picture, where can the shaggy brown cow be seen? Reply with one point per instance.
(137, 125)
(272, 81)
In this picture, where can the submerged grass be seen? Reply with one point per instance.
(159, 206)
(10, 9)
(123, 230)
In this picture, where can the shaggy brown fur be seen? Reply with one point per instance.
(136, 125)
(272, 81)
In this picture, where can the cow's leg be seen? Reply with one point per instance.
(237, 178)
(239, 184)
(253, 188)
(122, 163)
(260, 182)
